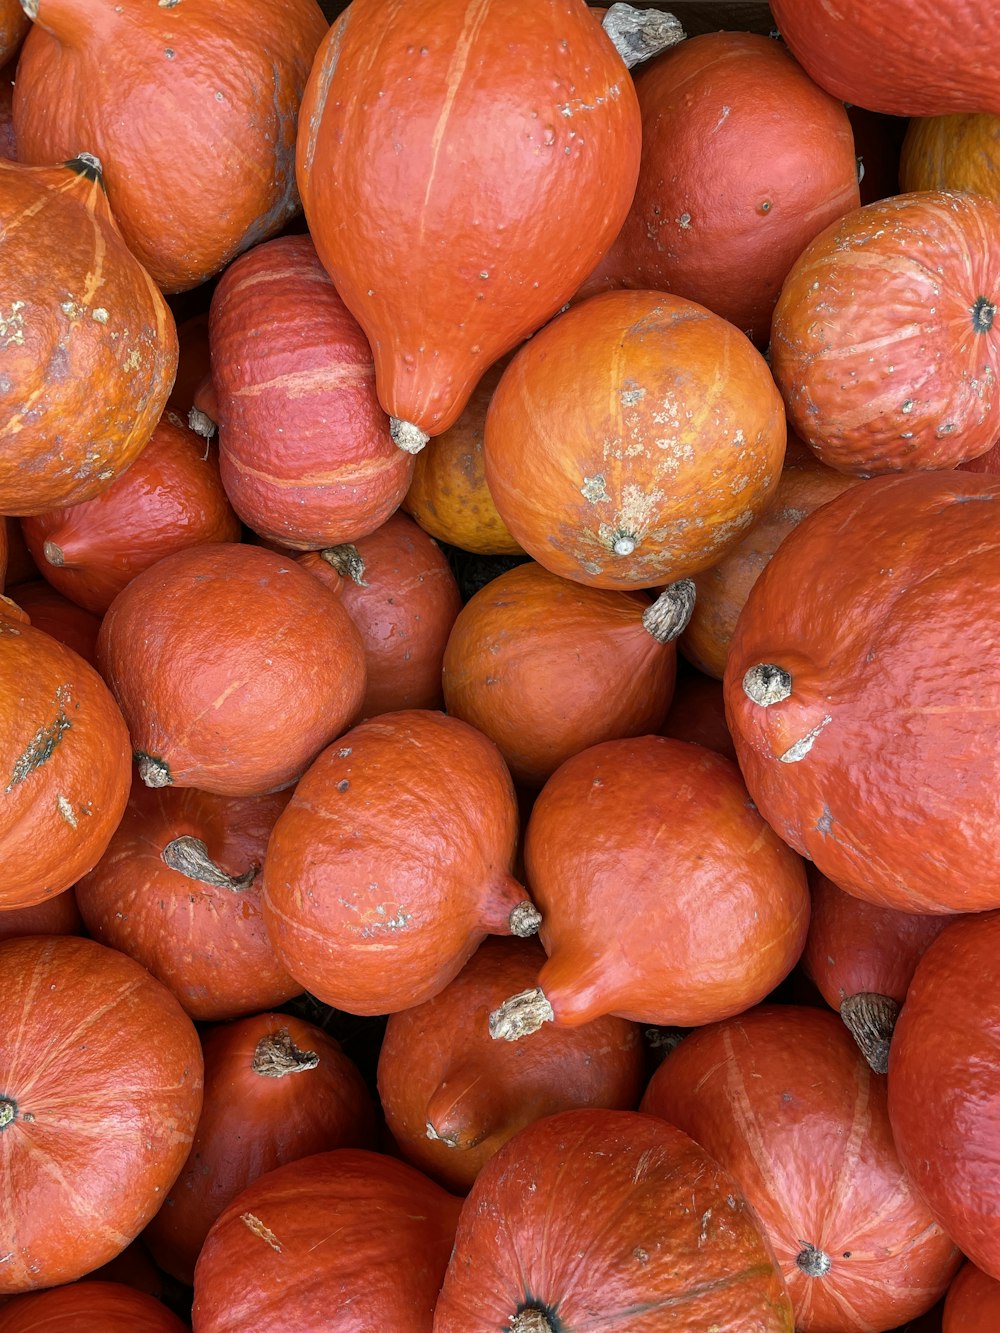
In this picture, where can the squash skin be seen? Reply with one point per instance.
(88, 1305)
(873, 607)
(105, 1069)
(973, 1302)
(784, 1101)
(56, 615)
(958, 152)
(14, 23)
(884, 344)
(391, 862)
(624, 1248)
(536, 105)
(212, 110)
(944, 1085)
(864, 52)
(62, 443)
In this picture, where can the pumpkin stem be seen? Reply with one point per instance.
(531, 1320)
(8, 1110)
(623, 544)
(84, 164)
(347, 561)
(277, 1055)
(201, 423)
(667, 618)
(521, 1015)
(640, 34)
(870, 1020)
(406, 436)
(766, 684)
(983, 314)
(524, 919)
(813, 1262)
(54, 554)
(153, 771)
(189, 856)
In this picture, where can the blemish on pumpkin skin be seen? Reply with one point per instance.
(43, 743)
(258, 1228)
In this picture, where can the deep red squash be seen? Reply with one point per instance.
(547, 667)
(884, 342)
(50, 611)
(493, 166)
(86, 365)
(276, 1089)
(233, 667)
(665, 898)
(170, 498)
(783, 1100)
(58, 915)
(944, 1085)
(399, 589)
(392, 862)
(305, 450)
(184, 108)
(744, 160)
(64, 763)
(349, 1232)
(452, 1096)
(973, 1303)
(634, 440)
(864, 51)
(178, 889)
(14, 23)
(88, 1307)
(863, 691)
(101, 1091)
(608, 1220)
(698, 712)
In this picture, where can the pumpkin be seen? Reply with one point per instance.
(721, 590)
(65, 333)
(634, 440)
(193, 362)
(988, 462)
(958, 152)
(744, 160)
(398, 587)
(304, 447)
(348, 1231)
(783, 1100)
(493, 166)
(233, 668)
(861, 958)
(448, 495)
(276, 1089)
(183, 108)
(698, 712)
(391, 862)
(863, 691)
(64, 761)
(863, 51)
(546, 667)
(170, 498)
(883, 342)
(717, 904)
(102, 1090)
(944, 1085)
(178, 889)
(452, 1097)
(58, 915)
(647, 1228)
(57, 616)
(88, 1307)
(973, 1302)
(14, 23)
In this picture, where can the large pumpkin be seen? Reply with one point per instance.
(493, 165)
(634, 440)
(185, 108)
(102, 1089)
(86, 361)
(609, 1220)
(863, 691)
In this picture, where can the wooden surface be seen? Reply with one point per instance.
(696, 16)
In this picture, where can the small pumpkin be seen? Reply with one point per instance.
(58, 915)
(85, 1306)
(973, 1302)
(957, 152)
(57, 616)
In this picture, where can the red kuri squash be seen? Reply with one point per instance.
(57, 616)
(973, 1303)
(88, 1307)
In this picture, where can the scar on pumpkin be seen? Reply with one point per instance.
(42, 744)
(258, 1228)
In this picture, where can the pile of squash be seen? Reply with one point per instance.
(608, 939)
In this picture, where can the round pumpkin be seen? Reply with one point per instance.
(57, 616)
(493, 166)
(101, 1093)
(58, 915)
(170, 498)
(973, 1303)
(349, 1233)
(65, 335)
(863, 691)
(717, 904)
(698, 712)
(185, 109)
(783, 1100)
(634, 440)
(276, 1089)
(944, 1085)
(392, 862)
(14, 23)
(304, 447)
(546, 667)
(744, 160)
(883, 341)
(233, 668)
(958, 152)
(88, 1307)
(607, 1220)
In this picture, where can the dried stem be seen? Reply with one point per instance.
(521, 1015)
(277, 1055)
(189, 856)
(640, 34)
(871, 1019)
(667, 618)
